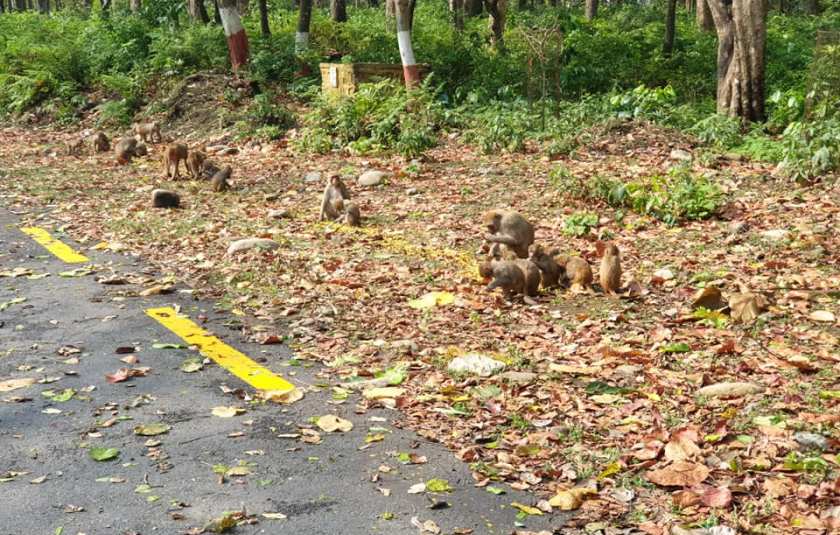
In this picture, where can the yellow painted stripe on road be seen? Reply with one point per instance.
(225, 356)
(59, 249)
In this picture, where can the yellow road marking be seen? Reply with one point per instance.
(59, 249)
(225, 356)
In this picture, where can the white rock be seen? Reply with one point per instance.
(312, 176)
(680, 154)
(664, 274)
(252, 243)
(372, 178)
(278, 214)
(475, 364)
(778, 234)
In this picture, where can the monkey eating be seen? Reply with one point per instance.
(610, 272)
(219, 182)
(125, 149)
(577, 271)
(508, 230)
(74, 147)
(148, 132)
(334, 191)
(195, 163)
(349, 213)
(172, 156)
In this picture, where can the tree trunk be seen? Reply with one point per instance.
(473, 8)
(44, 7)
(404, 12)
(704, 16)
(338, 10)
(198, 12)
(234, 32)
(742, 32)
(217, 16)
(670, 27)
(106, 8)
(135, 6)
(302, 34)
(457, 9)
(497, 10)
(591, 9)
(812, 7)
(264, 27)
(689, 5)
(2, 6)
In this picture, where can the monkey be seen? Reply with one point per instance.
(219, 182)
(172, 155)
(512, 276)
(208, 169)
(141, 150)
(577, 271)
(125, 150)
(509, 229)
(349, 213)
(100, 142)
(148, 132)
(74, 148)
(610, 273)
(335, 190)
(195, 163)
(162, 198)
(551, 272)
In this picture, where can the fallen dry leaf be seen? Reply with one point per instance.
(679, 474)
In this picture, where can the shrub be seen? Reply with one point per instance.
(580, 224)
(718, 130)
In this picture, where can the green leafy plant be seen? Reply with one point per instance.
(580, 224)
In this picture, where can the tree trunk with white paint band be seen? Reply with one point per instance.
(234, 32)
(302, 33)
(411, 71)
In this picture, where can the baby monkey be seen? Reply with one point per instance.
(552, 273)
(349, 213)
(334, 191)
(610, 273)
(219, 182)
(195, 163)
(578, 272)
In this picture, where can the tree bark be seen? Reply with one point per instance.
(689, 5)
(2, 6)
(135, 6)
(217, 16)
(264, 27)
(742, 32)
(473, 8)
(198, 12)
(670, 27)
(457, 9)
(812, 7)
(338, 10)
(704, 16)
(591, 9)
(235, 33)
(498, 12)
(404, 12)
(302, 34)
(44, 7)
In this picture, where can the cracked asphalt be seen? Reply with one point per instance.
(49, 484)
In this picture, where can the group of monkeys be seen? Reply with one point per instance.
(514, 263)
(129, 147)
(517, 266)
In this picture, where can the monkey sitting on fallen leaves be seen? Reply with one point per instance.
(508, 230)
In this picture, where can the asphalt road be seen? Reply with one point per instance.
(49, 484)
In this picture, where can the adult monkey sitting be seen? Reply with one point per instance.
(508, 229)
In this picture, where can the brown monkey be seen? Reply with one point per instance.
(610, 273)
(219, 182)
(335, 190)
(172, 155)
(195, 163)
(577, 271)
(550, 271)
(350, 214)
(509, 229)
(125, 149)
(100, 142)
(74, 147)
(141, 150)
(513, 277)
(148, 132)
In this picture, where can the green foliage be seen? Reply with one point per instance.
(811, 149)
(378, 117)
(718, 130)
(580, 224)
(644, 102)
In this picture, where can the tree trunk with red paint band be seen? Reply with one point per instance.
(404, 14)
(235, 33)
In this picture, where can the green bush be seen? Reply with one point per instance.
(718, 130)
(580, 224)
